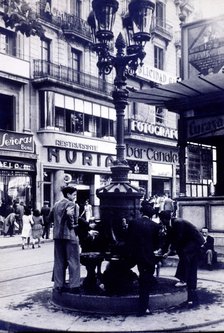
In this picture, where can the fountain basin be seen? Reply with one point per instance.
(164, 296)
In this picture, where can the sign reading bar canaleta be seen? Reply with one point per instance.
(16, 141)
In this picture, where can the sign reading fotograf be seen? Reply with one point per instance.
(16, 141)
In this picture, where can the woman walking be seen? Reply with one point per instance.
(26, 229)
(37, 227)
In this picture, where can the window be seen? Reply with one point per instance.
(160, 13)
(75, 7)
(76, 60)
(45, 55)
(6, 112)
(158, 57)
(73, 115)
(7, 42)
(160, 116)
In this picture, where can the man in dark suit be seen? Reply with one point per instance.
(209, 255)
(143, 239)
(187, 240)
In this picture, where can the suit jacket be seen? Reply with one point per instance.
(184, 237)
(143, 239)
(209, 243)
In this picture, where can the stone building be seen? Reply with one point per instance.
(57, 116)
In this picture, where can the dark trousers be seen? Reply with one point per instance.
(46, 231)
(187, 272)
(146, 272)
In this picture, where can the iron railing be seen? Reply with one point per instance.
(69, 23)
(47, 70)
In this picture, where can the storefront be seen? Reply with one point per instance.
(153, 167)
(80, 161)
(152, 154)
(17, 168)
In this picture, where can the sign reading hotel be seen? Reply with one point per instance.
(156, 75)
(16, 141)
(203, 45)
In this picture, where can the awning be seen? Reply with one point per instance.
(188, 94)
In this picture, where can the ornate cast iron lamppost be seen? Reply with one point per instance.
(120, 199)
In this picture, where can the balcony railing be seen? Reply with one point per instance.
(163, 29)
(71, 25)
(46, 70)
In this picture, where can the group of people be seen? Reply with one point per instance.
(144, 238)
(163, 202)
(35, 224)
(32, 224)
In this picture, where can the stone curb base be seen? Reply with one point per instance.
(115, 305)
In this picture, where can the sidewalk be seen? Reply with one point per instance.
(7, 241)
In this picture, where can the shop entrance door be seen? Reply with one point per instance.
(161, 186)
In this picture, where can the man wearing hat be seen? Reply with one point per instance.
(45, 210)
(143, 239)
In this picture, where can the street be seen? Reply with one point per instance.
(25, 294)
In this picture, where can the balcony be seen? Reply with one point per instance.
(73, 27)
(162, 29)
(61, 75)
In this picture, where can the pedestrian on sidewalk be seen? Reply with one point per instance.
(66, 243)
(45, 211)
(187, 240)
(27, 227)
(37, 227)
(9, 224)
(88, 211)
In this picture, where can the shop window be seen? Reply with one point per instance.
(6, 112)
(15, 186)
(158, 57)
(160, 116)
(7, 42)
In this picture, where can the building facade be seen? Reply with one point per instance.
(58, 120)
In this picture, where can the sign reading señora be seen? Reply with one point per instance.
(16, 141)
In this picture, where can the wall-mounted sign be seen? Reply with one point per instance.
(16, 141)
(153, 129)
(156, 75)
(201, 127)
(152, 154)
(16, 166)
(203, 45)
(78, 158)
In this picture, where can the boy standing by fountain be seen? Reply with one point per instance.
(66, 243)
